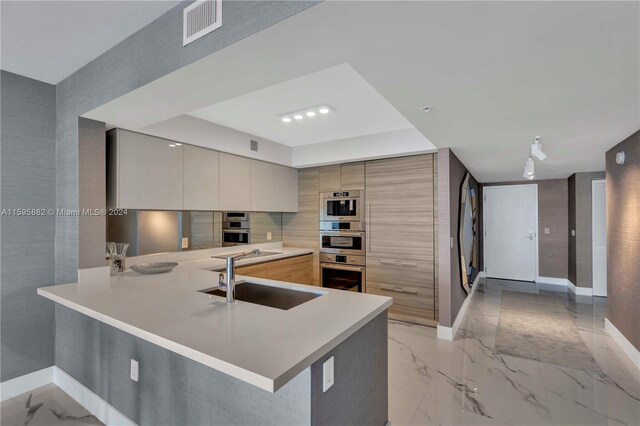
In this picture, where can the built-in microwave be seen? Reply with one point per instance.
(235, 216)
(342, 242)
(341, 206)
(235, 237)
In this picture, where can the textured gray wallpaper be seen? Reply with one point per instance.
(172, 389)
(152, 52)
(27, 244)
(623, 239)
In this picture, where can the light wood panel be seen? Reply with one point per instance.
(294, 270)
(352, 176)
(400, 216)
(301, 229)
(329, 178)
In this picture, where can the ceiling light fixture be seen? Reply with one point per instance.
(172, 145)
(323, 109)
(529, 168)
(536, 149)
(426, 108)
(178, 144)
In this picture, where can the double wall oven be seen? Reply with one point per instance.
(342, 241)
(236, 229)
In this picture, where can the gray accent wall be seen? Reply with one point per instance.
(154, 51)
(175, 390)
(451, 295)
(172, 389)
(93, 189)
(581, 250)
(623, 238)
(27, 243)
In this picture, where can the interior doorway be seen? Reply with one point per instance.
(510, 215)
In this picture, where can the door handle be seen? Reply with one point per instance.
(367, 248)
(530, 236)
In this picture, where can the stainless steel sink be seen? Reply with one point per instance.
(266, 295)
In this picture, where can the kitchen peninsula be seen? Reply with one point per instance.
(219, 363)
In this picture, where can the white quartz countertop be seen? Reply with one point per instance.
(260, 345)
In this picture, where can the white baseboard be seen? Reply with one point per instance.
(89, 400)
(76, 390)
(22, 384)
(449, 333)
(563, 282)
(625, 345)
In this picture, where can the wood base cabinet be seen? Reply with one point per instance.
(400, 246)
(297, 270)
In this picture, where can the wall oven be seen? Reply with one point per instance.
(343, 272)
(341, 206)
(235, 237)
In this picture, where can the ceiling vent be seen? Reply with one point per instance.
(200, 18)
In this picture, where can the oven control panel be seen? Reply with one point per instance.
(342, 258)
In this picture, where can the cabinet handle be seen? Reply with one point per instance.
(410, 264)
(389, 262)
(399, 290)
(367, 228)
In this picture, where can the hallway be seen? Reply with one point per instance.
(469, 382)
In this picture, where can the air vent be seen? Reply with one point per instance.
(200, 18)
(254, 145)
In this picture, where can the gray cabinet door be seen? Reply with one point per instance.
(235, 183)
(274, 188)
(201, 178)
(149, 172)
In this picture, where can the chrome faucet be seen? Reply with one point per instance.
(227, 282)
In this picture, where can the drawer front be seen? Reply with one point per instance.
(391, 271)
(414, 299)
(259, 271)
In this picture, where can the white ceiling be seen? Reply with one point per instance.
(358, 109)
(49, 40)
(496, 73)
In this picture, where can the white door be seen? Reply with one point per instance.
(599, 226)
(511, 232)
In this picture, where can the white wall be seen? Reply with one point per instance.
(195, 131)
(380, 145)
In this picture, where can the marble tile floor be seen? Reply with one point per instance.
(45, 406)
(466, 382)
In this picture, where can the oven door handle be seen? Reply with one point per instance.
(343, 268)
(342, 234)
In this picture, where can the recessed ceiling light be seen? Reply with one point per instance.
(178, 144)
(311, 114)
(286, 120)
(426, 108)
(298, 117)
(172, 145)
(324, 110)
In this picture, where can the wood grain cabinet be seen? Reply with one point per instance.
(297, 269)
(400, 217)
(201, 178)
(143, 172)
(341, 177)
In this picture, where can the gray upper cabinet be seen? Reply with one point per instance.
(201, 178)
(144, 172)
(274, 188)
(235, 183)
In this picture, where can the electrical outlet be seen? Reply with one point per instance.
(134, 370)
(546, 230)
(327, 374)
(451, 242)
(573, 232)
(185, 242)
(269, 236)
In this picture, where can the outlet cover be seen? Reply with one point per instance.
(185, 242)
(327, 374)
(134, 370)
(269, 236)
(546, 230)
